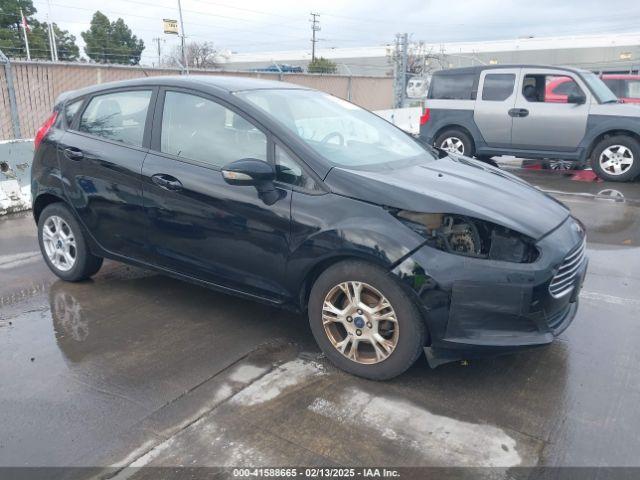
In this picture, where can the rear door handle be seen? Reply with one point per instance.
(73, 153)
(518, 112)
(167, 182)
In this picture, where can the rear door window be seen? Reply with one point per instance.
(453, 87)
(498, 86)
(119, 116)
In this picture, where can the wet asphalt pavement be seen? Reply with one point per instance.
(133, 368)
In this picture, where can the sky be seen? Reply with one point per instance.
(274, 25)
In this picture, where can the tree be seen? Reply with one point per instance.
(322, 65)
(199, 55)
(12, 38)
(111, 42)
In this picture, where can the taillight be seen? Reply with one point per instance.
(44, 129)
(424, 118)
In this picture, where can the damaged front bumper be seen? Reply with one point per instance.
(477, 307)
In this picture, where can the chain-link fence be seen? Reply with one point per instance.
(28, 90)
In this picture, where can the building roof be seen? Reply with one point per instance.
(453, 48)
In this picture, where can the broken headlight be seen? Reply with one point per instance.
(469, 236)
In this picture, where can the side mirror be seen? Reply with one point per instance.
(258, 173)
(577, 98)
(248, 171)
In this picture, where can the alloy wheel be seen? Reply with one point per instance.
(616, 159)
(452, 145)
(360, 322)
(59, 243)
(561, 164)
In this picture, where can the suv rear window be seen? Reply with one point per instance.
(453, 87)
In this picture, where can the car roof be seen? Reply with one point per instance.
(476, 69)
(219, 83)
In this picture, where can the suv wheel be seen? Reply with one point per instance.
(63, 245)
(617, 158)
(455, 141)
(364, 322)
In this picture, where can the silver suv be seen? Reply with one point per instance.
(533, 112)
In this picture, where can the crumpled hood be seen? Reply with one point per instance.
(455, 185)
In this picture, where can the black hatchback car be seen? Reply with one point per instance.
(296, 198)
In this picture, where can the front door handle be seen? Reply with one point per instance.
(518, 112)
(167, 182)
(73, 153)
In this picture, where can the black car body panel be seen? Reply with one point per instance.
(229, 238)
(455, 185)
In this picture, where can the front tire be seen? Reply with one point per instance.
(364, 321)
(617, 158)
(63, 245)
(455, 141)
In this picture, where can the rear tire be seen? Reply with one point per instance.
(63, 245)
(390, 339)
(617, 158)
(455, 141)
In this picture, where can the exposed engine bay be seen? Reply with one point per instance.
(470, 236)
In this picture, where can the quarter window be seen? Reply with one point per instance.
(202, 130)
(70, 110)
(498, 86)
(452, 87)
(117, 116)
(290, 171)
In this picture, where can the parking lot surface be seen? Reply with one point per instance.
(137, 369)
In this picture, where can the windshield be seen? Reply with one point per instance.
(343, 133)
(599, 88)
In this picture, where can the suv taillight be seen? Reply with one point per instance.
(44, 129)
(424, 118)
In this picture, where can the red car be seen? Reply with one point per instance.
(625, 87)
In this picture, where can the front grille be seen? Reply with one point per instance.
(563, 282)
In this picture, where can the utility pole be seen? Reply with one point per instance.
(315, 27)
(400, 62)
(52, 35)
(158, 40)
(184, 53)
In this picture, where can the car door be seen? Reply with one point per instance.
(496, 97)
(200, 226)
(541, 123)
(101, 156)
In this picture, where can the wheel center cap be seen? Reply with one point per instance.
(59, 244)
(359, 322)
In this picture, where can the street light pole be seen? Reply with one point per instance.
(184, 53)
